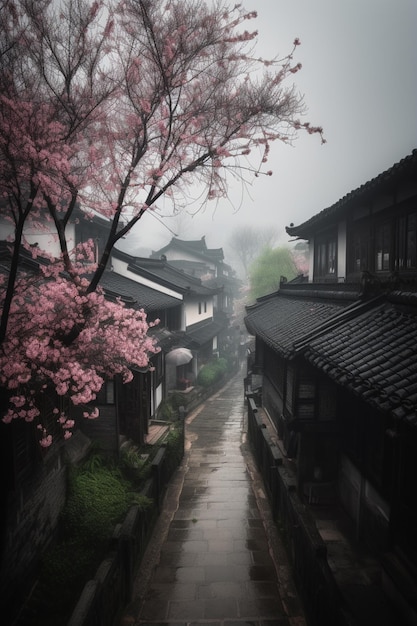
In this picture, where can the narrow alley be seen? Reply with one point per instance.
(215, 556)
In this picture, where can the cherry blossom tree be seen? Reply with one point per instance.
(36, 355)
(300, 255)
(111, 106)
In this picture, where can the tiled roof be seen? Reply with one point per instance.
(203, 331)
(281, 320)
(197, 247)
(188, 266)
(406, 169)
(135, 294)
(165, 338)
(167, 275)
(164, 274)
(375, 356)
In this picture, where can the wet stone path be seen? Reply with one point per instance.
(215, 558)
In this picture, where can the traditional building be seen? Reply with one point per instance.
(338, 366)
(197, 326)
(196, 259)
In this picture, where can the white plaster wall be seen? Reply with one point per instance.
(192, 316)
(47, 238)
(120, 267)
(158, 398)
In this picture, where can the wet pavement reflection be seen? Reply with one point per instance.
(216, 562)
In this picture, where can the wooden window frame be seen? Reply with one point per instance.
(383, 248)
(325, 256)
(359, 246)
(406, 254)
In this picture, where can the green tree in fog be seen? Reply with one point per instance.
(266, 271)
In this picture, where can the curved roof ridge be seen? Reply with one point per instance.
(395, 171)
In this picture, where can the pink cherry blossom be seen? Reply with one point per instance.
(143, 100)
(113, 338)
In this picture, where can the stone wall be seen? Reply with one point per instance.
(32, 519)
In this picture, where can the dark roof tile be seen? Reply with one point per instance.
(164, 274)
(281, 320)
(202, 332)
(196, 247)
(386, 371)
(135, 294)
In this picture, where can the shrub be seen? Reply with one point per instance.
(98, 497)
(166, 411)
(58, 573)
(176, 400)
(96, 502)
(212, 372)
(134, 466)
(175, 447)
(222, 365)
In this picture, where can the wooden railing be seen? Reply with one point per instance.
(111, 588)
(306, 549)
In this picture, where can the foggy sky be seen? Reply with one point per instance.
(359, 82)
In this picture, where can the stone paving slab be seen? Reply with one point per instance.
(215, 557)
